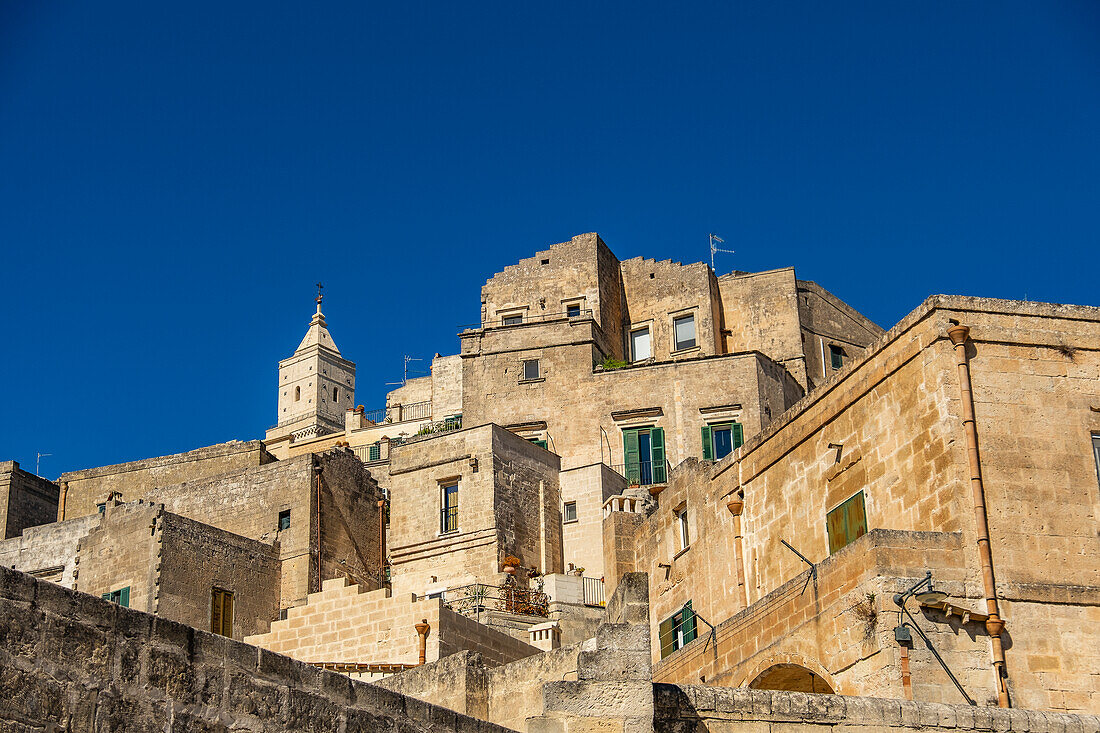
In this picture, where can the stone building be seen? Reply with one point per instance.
(754, 468)
(960, 443)
(26, 500)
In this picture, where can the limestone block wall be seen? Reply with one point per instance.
(582, 540)
(655, 292)
(346, 624)
(689, 708)
(195, 558)
(760, 313)
(74, 662)
(122, 552)
(26, 500)
(507, 504)
(48, 551)
(85, 489)
(825, 320)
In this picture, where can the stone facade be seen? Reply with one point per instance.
(83, 491)
(892, 427)
(507, 504)
(26, 500)
(70, 661)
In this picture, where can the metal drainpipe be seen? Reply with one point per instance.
(994, 625)
(736, 506)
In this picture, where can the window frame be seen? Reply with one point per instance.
(120, 596)
(676, 344)
(448, 510)
(674, 634)
(284, 520)
(710, 447)
(222, 606)
(633, 351)
(836, 356)
(683, 530)
(538, 370)
(565, 519)
(844, 515)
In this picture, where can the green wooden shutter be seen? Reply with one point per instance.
(630, 452)
(836, 526)
(657, 454)
(738, 435)
(708, 444)
(227, 614)
(857, 517)
(666, 637)
(124, 597)
(847, 522)
(689, 624)
(215, 611)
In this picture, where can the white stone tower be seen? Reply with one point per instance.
(316, 386)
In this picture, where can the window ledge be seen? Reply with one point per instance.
(449, 534)
(570, 521)
(532, 381)
(688, 350)
(680, 554)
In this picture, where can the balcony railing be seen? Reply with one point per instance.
(411, 411)
(427, 430)
(368, 453)
(528, 318)
(643, 473)
(448, 519)
(376, 416)
(593, 591)
(473, 600)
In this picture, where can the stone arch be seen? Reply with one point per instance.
(791, 673)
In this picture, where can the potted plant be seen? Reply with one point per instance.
(511, 562)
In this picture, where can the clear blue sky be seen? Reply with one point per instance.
(175, 177)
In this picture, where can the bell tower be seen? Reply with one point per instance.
(316, 385)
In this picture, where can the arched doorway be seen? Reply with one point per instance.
(791, 678)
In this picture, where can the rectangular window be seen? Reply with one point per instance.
(512, 320)
(539, 442)
(684, 330)
(284, 519)
(221, 611)
(846, 523)
(1096, 454)
(644, 450)
(449, 512)
(569, 512)
(677, 630)
(375, 452)
(682, 523)
(640, 345)
(120, 596)
(836, 356)
(101, 507)
(722, 439)
(573, 310)
(530, 369)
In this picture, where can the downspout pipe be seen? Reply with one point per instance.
(381, 543)
(994, 625)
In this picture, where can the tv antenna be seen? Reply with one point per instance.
(405, 375)
(715, 238)
(38, 462)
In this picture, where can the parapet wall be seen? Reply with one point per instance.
(690, 708)
(70, 661)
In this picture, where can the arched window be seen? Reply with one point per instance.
(297, 393)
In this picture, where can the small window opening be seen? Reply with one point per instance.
(221, 611)
(546, 262)
(836, 356)
(120, 596)
(684, 331)
(448, 521)
(651, 276)
(334, 393)
(531, 369)
(573, 310)
(512, 320)
(284, 519)
(682, 524)
(569, 512)
(297, 393)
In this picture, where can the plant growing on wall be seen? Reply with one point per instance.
(610, 363)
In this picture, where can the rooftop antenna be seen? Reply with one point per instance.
(38, 461)
(715, 238)
(405, 375)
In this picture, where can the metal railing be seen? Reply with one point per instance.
(448, 519)
(427, 430)
(593, 592)
(376, 416)
(528, 318)
(411, 411)
(473, 600)
(643, 473)
(368, 453)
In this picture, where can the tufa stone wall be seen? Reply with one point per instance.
(48, 551)
(83, 490)
(69, 661)
(26, 500)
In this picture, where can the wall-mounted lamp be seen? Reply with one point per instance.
(928, 595)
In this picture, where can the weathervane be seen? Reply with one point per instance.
(320, 295)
